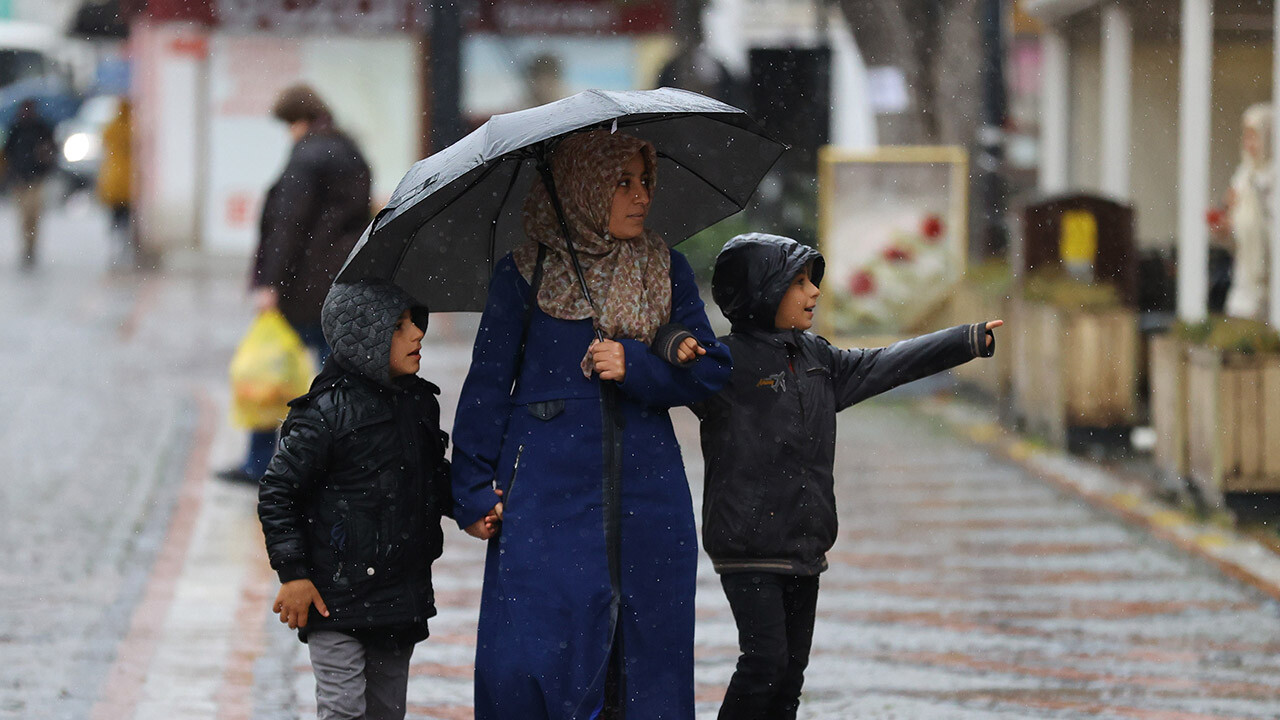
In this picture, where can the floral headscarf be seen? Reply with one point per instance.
(630, 280)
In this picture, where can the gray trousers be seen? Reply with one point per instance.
(355, 681)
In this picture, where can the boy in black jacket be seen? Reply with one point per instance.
(768, 440)
(351, 503)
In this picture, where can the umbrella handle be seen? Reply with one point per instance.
(544, 168)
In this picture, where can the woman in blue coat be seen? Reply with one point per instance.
(587, 608)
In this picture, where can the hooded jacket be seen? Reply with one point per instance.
(768, 438)
(353, 497)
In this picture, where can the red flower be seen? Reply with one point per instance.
(932, 227)
(862, 283)
(895, 254)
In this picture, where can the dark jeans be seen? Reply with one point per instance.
(774, 614)
(262, 443)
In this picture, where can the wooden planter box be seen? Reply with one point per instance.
(969, 305)
(1168, 378)
(1074, 369)
(1233, 422)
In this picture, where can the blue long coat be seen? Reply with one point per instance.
(548, 607)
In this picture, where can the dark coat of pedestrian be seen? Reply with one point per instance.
(351, 503)
(311, 219)
(29, 149)
(314, 213)
(768, 443)
(562, 633)
(30, 154)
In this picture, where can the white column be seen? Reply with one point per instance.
(1194, 105)
(1055, 108)
(1117, 100)
(1274, 255)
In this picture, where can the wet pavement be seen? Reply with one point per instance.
(134, 584)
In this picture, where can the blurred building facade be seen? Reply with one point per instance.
(1142, 102)
(204, 76)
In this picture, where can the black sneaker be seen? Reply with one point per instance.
(236, 475)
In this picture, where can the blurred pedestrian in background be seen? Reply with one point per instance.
(1249, 217)
(115, 184)
(311, 218)
(29, 152)
(544, 80)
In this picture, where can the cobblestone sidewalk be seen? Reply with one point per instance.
(964, 585)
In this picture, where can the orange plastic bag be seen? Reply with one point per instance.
(270, 367)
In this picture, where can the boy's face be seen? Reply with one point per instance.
(406, 347)
(795, 312)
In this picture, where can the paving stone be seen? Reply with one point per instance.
(964, 584)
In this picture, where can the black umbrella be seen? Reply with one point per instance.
(454, 214)
(99, 19)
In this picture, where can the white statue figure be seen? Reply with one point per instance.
(1248, 208)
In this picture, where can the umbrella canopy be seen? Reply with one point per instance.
(454, 214)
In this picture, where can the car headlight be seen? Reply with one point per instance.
(79, 146)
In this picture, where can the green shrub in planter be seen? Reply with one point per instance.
(991, 278)
(1247, 337)
(1067, 293)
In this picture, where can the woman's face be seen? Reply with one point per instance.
(630, 200)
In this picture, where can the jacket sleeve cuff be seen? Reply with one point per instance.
(979, 334)
(292, 570)
(666, 343)
(468, 514)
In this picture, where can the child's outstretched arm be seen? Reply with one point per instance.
(863, 373)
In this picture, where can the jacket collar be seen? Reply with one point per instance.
(334, 372)
(780, 338)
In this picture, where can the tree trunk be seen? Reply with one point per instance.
(937, 47)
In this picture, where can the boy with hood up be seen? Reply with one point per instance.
(768, 440)
(351, 503)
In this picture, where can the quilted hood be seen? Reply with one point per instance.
(359, 319)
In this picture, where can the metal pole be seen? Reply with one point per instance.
(446, 74)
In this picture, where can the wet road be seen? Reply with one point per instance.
(134, 584)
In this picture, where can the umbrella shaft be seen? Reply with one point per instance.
(549, 180)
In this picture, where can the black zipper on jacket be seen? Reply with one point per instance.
(413, 469)
(612, 488)
(792, 357)
(614, 685)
